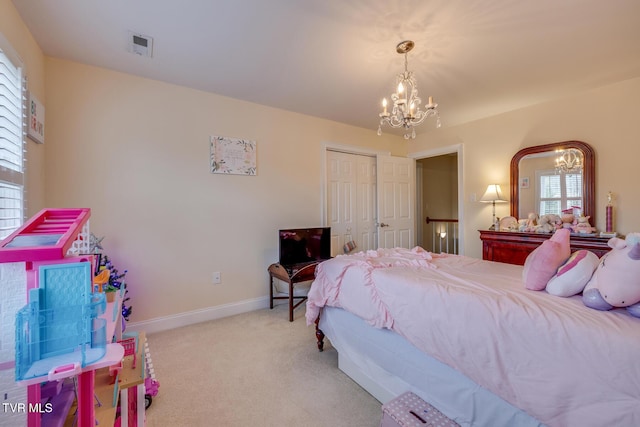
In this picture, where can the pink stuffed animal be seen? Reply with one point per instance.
(616, 281)
(583, 226)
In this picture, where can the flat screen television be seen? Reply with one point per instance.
(304, 245)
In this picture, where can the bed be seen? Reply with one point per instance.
(466, 336)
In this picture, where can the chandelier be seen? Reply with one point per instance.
(405, 111)
(569, 161)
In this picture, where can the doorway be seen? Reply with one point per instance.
(438, 202)
(417, 192)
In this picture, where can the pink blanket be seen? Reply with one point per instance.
(561, 362)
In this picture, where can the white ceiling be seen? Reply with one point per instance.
(336, 59)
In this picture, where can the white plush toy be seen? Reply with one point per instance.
(548, 223)
(616, 281)
(572, 277)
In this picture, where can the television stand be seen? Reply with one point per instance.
(304, 274)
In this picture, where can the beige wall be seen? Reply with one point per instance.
(605, 118)
(18, 35)
(136, 151)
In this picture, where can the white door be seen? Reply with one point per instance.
(351, 200)
(341, 197)
(396, 196)
(366, 233)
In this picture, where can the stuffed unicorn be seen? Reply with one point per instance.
(616, 281)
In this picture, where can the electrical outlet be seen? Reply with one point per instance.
(216, 278)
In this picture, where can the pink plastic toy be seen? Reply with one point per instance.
(47, 236)
(129, 345)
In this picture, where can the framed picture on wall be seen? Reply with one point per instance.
(35, 128)
(524, 182)
(233, 156)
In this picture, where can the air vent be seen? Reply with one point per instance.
(140, 44)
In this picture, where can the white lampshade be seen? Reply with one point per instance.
(493, 194)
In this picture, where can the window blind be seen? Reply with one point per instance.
(12, 125)
(559, 192)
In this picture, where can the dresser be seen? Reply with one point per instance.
(514, 247)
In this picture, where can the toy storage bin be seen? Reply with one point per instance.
(409, 410)
(49, 338)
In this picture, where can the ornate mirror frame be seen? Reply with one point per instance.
(588, 174)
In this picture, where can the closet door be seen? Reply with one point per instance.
(396, 201)
(341, 197)
(351, 201)
(366, 236)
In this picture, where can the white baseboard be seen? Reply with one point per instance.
(196, 316)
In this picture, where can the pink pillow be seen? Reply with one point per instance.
(542, 264)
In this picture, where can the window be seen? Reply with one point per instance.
(12, 140)
(558, 192)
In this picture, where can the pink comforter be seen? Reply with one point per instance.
(561, 362)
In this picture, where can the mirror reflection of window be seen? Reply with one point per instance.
(558, 191)
(574, 159)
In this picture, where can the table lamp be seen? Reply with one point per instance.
(493, 195)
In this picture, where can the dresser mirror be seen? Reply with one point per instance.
(567, 173)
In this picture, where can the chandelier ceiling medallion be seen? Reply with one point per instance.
(405, 111)
(569, 161)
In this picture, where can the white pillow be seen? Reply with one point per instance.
(574, 274)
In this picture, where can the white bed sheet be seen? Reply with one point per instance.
(386, 365)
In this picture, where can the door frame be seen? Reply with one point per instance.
(349, 149)
(450, 149)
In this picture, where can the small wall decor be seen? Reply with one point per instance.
(35, 128)
(233, 156)
(524, 182)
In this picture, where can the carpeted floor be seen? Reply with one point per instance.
(253, 369)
